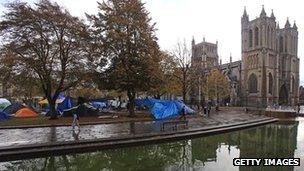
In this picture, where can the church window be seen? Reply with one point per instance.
(281, 43)
(250, 38)
(286, 44)
(256, 36)
(253, 84)
(270, 83)
(268, 37)
(293, 85)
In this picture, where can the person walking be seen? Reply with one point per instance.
(205, 110)
(208, 108)
(183, 113)
(79, 110)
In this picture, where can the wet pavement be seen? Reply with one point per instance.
(29, 136)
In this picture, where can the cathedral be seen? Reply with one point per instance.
(268, 73)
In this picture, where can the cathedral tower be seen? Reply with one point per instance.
(270, 66)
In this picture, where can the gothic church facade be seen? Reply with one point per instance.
(268, 73)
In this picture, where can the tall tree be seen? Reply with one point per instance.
(183, 72)
(129, 44)
(47, 41)
(7, 62)
(167, 82)
(216, 85)
(21, 84)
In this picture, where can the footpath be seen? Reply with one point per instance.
(44, 141)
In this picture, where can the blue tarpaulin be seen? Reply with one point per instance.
(3, 116)
(66, 104)
(140, 102)
(99, 105)
(164, 108)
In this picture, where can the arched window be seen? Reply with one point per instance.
(250, 38)
(286, 50)
(268, 37)
(256, 36)
(281, 43)
(293, 85)
(270, 83)
(253, 84)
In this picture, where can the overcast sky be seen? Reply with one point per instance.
(213, 19)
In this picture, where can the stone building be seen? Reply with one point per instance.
(270, 64)
(204, 54)
(268, 72)
(204, 58)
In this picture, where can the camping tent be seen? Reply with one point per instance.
(99, 105)
(62, 107)
(13, 108)
(164, 108)
(25, 112)
(66, 104)
(59, 99)
(4, 103)
(3, 116)
(86, 110)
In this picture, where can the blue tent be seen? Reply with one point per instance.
(99, 105)
(66, 104)
(164, 108)
(140, 103)
(3, 116)
(13, 108)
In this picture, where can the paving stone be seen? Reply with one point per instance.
(16, 137)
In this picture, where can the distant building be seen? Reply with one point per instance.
(204, 54)
(269, 70)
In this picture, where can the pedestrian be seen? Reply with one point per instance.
(299, 108)
(79, 110)
(217, 108)
(183, 113)
(205, 110)
(208, 109)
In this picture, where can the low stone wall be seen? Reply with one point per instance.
(280, 114)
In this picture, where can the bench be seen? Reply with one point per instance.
(174, 124)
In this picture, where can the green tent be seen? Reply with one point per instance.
(4, 103)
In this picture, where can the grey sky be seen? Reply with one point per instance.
(213, 19)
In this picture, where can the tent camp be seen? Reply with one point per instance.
(3, 116)
(4, 103)
(25, 112)
(99, 105)
(13, 108)
(59, 99)
(164, 108)
(66, 104)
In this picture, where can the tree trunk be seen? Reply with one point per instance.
(184, 94)
(120, 102)
(53, 112)
(131, 106)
